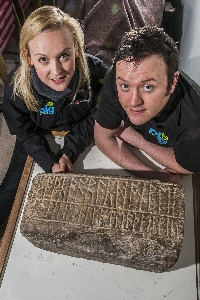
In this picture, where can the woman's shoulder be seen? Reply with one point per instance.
(12, 73)
(9, 88)
(95, 64)
(10, 83)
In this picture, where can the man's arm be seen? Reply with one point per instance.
(164, 156)
(117, 150)
(120, 153)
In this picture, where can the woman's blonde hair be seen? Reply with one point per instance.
(47, 18)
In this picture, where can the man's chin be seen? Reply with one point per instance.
(138, 121)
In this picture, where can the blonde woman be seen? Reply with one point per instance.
(55, 88)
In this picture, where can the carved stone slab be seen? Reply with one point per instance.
(136, 223)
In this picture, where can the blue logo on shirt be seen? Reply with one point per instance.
(48, 109)
(161, 137)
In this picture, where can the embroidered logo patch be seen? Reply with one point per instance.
(48, 109)
(80, 101)
(161, 137)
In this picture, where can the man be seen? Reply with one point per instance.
(148, 104)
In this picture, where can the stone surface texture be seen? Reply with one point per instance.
(136, 223)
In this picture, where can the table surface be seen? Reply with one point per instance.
(32, 273)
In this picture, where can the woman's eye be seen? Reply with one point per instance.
(125, 87)
(148, 87)
(43, 59)
(65, 56)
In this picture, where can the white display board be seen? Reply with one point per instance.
(33, 273)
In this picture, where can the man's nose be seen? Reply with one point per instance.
(136, 98)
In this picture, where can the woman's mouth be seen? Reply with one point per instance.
(58, 80)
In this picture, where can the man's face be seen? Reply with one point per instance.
(53, 55)
(142, 88)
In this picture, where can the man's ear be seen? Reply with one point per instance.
(176, 77)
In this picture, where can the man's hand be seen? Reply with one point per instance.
(165, 175)
(64, 166)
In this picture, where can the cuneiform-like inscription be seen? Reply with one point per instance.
(108, 202)
(123, 212)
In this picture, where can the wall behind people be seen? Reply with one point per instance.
(173, 20)
(189, 47)
(105, 21)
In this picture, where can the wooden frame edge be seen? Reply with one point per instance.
(11, 227)
(196, 201)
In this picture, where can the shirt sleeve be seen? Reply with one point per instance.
(29, 135)
(186, 149)
(110, 112)
(82, 132)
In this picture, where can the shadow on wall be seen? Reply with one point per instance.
(193, 68)
(173, 21)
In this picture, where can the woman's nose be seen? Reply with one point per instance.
(55, 67)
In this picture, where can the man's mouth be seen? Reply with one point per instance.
(137, 111)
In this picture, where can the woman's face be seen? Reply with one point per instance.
(53, 54)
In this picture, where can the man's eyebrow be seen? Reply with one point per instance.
(119, 78)
(149, 79)
(146, 80)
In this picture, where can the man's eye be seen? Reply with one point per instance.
(125, 87)
(148, 87)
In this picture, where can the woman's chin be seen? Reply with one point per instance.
(59, 87)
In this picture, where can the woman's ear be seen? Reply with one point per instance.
(27, 53)
(176, 77)
(76, 51)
